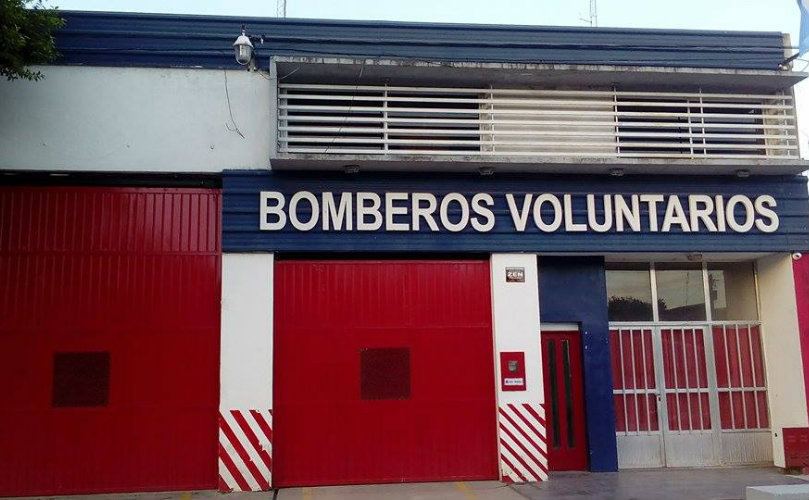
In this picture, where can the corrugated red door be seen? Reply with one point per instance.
(109, 339)
(383, 372)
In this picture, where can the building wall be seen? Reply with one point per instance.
(574, 290)
(246, 373)
(108, 117)
(782, 349)
(136, 120)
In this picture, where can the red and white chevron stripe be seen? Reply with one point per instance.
(523, 447)
(245, 450)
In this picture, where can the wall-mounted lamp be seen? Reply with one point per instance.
(243, 48)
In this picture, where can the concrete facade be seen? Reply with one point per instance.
(142, 124)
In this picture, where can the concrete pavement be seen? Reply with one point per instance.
(471, 490)
(654, 484)
(725, 483)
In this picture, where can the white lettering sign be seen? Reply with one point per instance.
(542, 212)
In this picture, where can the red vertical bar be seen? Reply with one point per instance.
(745, 360)
(669, 378)
(758, 357)
(735, 379)
(651, 380)
(615, 359)
(617, 381)
(800, 270)
(701, 361)
(763, 414)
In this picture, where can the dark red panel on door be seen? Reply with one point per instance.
(109, 339)
(342, 328)
(564, 400)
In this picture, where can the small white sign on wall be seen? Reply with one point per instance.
(517, 381)
(515, 275)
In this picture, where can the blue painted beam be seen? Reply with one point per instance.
(164, 40)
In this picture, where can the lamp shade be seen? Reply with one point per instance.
(243, 49)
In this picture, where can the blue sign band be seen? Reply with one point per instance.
(316, 211)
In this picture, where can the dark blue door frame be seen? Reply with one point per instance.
(574, 290)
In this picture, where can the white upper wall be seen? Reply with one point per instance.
(136, 119)
(247, 332)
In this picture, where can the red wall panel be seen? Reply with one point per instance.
(131, 271)
(800, 269)
(328, 313)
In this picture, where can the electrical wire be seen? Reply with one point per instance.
(230, 109)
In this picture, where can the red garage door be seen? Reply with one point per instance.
(109, 339)
(383, 372)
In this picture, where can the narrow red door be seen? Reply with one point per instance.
(564, 400)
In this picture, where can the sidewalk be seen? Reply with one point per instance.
(657, 484)
(471, 490)
(654, 484)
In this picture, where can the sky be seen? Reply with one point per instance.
(752, 15)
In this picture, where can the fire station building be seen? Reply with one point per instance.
(387, 252)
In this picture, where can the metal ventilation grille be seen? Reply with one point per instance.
(387, 120)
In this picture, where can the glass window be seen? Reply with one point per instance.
(732, 288)
(680, 292)
(629, 291)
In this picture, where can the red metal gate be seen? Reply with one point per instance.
(564, 400)
(383, 372)
(109, 339)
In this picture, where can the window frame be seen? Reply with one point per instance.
(706, 294)
(634, 266)
(710, 325)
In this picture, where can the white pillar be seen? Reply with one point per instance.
(782, 349)
(245, 401)
(515, 319)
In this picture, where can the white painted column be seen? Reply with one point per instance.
(515, 319)
(782, 348)
(245, 401)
